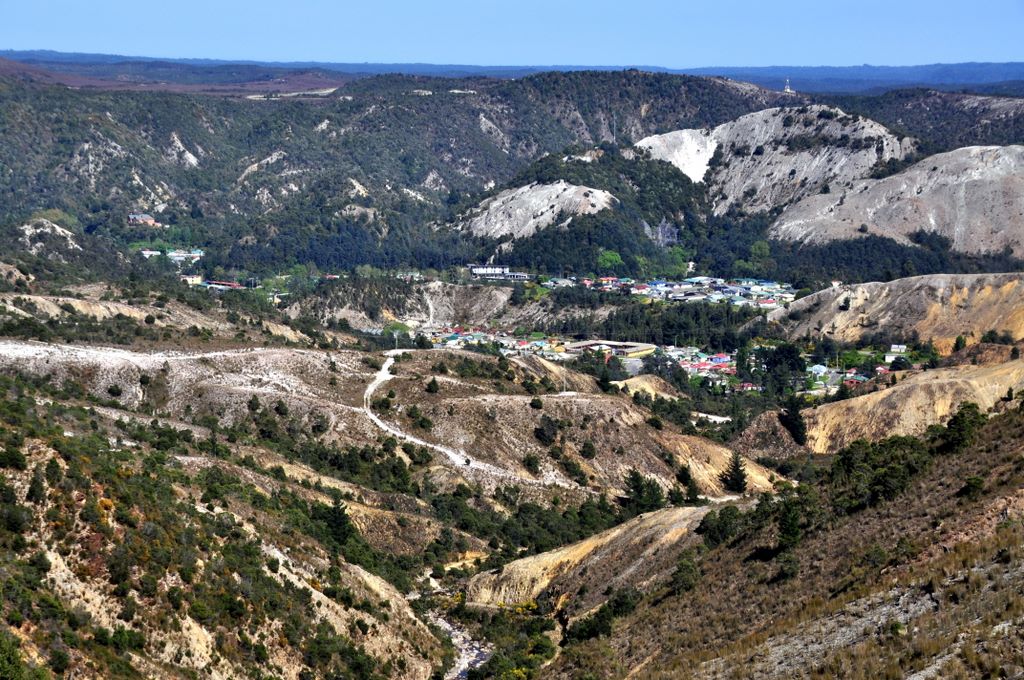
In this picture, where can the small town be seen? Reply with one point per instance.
(757, 293)
(747, 292)
(717, 368)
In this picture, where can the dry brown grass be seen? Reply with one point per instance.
(965, 558)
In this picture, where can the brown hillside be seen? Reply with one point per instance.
(928, 583)
(493, 421)
(635, 554)
(910, 407)
(938, 307)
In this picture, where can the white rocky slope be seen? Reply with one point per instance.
(523, 211)
(46, 237)
(973, 196)
(773, 157)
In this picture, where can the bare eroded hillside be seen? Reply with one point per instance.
(938, 307)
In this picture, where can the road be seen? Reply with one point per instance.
(466, 463)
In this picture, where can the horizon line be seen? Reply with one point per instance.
(296, 63)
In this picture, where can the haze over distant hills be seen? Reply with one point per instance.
(862, 78)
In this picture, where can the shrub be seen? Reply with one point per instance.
(789, 566)
(718, 527)
(972, 488)
(546, 431)
(687, 574)
(59, 661)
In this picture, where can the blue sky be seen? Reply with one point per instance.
(670, 33)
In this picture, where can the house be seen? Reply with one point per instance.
(181, 256)
(191, 279)
(143, 219)
(150, 253)
(222, 285)
(895, 352)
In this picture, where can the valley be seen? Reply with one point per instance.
(468, 373)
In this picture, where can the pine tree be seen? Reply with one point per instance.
(432, 386)
(36, 488)
(789, 525)
(692, 492)
(735, 477)
(792, 420)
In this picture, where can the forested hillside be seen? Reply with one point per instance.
(944, 120)
(371, 171)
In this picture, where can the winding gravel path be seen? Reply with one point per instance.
(464, 461)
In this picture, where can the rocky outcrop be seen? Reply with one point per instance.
(972, 196)
(49, 239)
(521, 212)
(938, 307)
(771, 158)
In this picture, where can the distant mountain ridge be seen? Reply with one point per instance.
(845, 79)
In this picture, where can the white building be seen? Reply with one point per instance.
(488, 270)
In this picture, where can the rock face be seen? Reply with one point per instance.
(688, 150)
(777, 156)
(521, 212)
(973, 196)
(631, 554)
(938, 307)
(43, 237)
(911, 406)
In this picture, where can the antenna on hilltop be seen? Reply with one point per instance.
(788, 89)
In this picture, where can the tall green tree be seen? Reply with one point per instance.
(789, 525)
(734, 478)
(793, 420)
